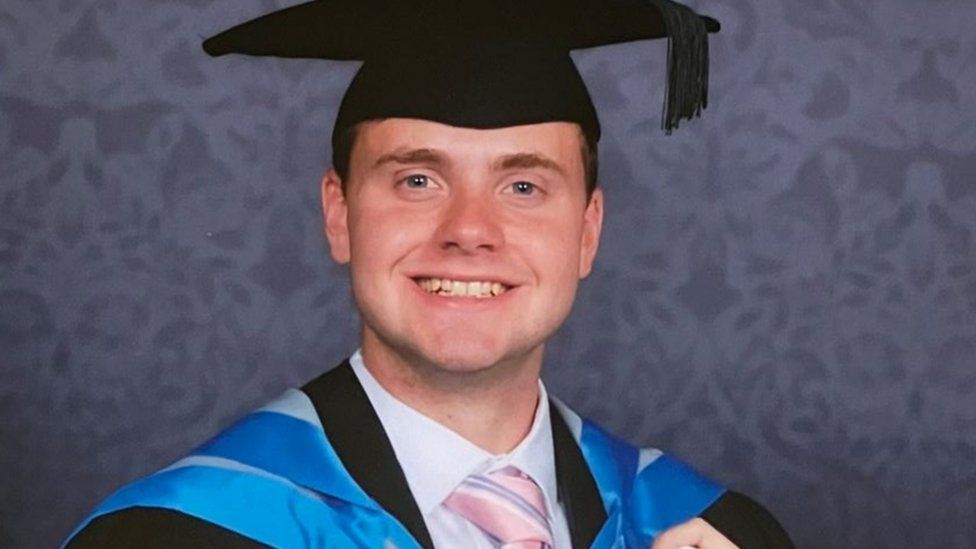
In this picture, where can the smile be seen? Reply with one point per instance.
(461, 288)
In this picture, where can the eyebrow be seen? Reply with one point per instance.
(412, 156)
(438, 158)
(527, 161)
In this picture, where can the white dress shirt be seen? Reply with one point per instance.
(435, 460)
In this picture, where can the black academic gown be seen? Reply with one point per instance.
(359, 442)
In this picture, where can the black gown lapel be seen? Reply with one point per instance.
(577, 490)
(358, 438)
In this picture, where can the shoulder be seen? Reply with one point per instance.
(689, 493)
(204, 501)
(251, 482)
(151, 527)
(659, 490)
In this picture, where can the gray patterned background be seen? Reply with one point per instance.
(785, 297)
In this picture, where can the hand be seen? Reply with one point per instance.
(696, 533)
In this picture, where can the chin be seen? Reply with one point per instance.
(466, 355)
(461, 357)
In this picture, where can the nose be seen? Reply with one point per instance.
(470, 224)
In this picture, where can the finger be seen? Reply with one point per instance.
(686, 534)
(695, 533)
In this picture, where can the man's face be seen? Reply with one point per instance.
(465, 246)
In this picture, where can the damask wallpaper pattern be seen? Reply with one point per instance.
(785, 295)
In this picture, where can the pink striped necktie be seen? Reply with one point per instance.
(507, 505)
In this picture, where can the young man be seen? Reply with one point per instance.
(463, 198)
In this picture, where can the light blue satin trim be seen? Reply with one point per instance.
(294, 403)
(667, 492)
(271, 477)
(644, 493)
(262, 508)
(290, 448)
(613, 464)
(645, 456)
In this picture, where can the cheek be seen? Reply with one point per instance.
(366, 242)
(381, 236)
(554, 253)
(375, 226)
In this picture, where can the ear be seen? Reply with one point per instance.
(335, 213)
(590, 237)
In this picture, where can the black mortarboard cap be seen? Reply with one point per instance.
(478, 63)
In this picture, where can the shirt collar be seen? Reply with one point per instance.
(433, 475)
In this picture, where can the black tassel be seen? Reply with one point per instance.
(686, 94)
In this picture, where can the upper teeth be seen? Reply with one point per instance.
(445, 286)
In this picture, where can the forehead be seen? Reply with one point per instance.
(559, 141)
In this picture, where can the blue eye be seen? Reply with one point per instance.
(416, 181)
(523, 187)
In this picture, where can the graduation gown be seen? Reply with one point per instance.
(315, 468)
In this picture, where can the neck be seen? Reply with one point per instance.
(492, 407)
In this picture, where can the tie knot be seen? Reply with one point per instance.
(507, 505)
(521, 484)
